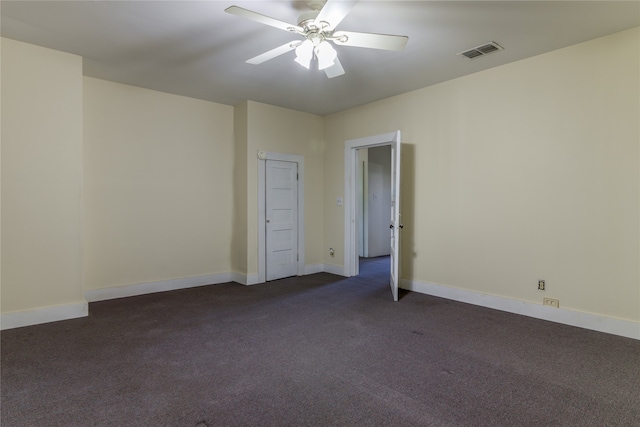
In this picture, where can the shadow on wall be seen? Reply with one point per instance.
(407, 211)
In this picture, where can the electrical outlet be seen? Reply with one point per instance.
(332, 252)
(551, 302)
(541, 285)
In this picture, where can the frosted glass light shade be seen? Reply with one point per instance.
(326, 55)
(304, 53)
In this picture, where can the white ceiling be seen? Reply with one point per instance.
(194, 48)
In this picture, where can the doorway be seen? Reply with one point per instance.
(351, 229)
(374, 201)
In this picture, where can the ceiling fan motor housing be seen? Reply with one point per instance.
(316, 4)
(307, 20)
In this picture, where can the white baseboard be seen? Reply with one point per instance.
(252, 279)
(153, 287)
(335, 269)
(18, 319)
(245, 279)
(313, 269)
(610, 325)
(239, 278)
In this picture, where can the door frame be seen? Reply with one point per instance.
(263, 156)
(362, 200)
(351, 264)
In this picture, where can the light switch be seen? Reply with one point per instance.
(339, 201)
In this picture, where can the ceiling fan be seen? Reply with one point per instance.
(318, 29)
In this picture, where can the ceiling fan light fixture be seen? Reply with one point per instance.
(304, 53)
(305, 62)
(318, 29)
(326, 55)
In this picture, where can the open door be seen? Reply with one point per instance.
(396, 225)
(392, 139)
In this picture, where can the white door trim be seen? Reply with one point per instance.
(351, 265)
(262, 258)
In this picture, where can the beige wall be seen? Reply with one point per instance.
(239, 245)
(41, 177)
(522, 172)
(158, 174)
(286, 131)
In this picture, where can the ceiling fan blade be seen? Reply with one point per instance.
(263, 19)
(334, 11)
(370, 40)
(280, 50)
(335, 70)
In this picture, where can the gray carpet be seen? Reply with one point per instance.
(318, 350)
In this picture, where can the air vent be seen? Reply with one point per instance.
(482, 50)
